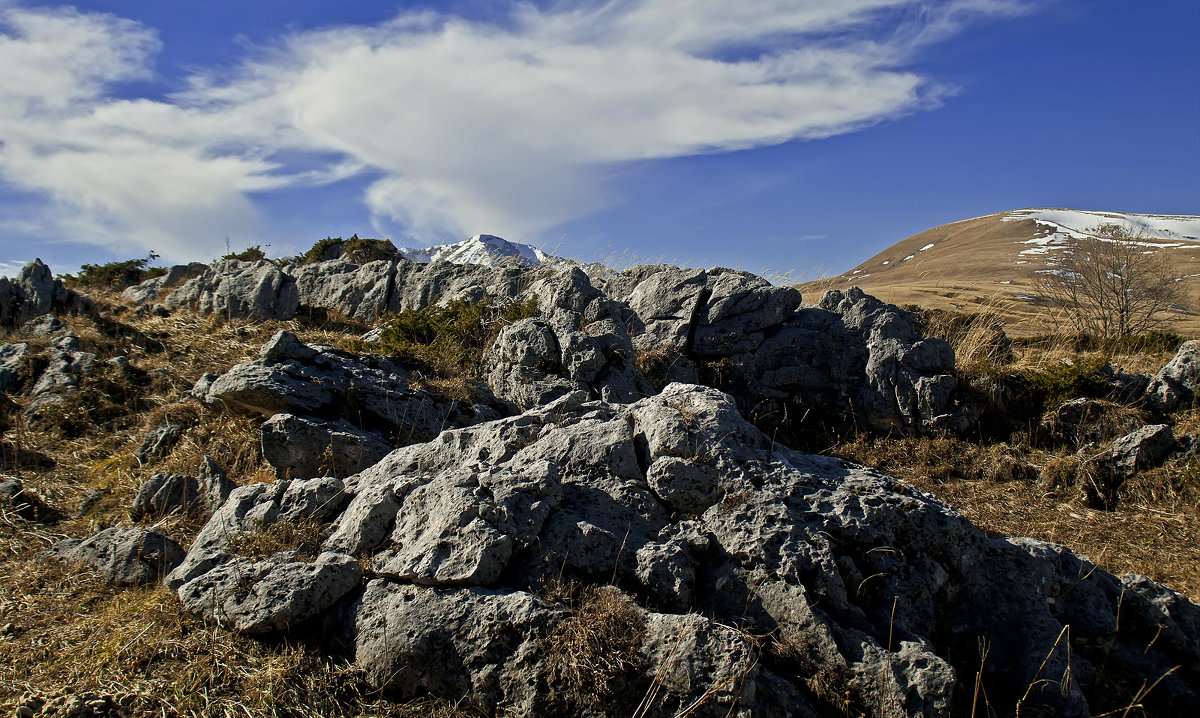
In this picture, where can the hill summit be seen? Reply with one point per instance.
(998, 262)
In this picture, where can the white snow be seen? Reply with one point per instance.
(1006, 281)
(485, 249)
(908, 258)
(1156, 231)
(887, 261)
(928, 246)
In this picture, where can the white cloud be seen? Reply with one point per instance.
(471, 127)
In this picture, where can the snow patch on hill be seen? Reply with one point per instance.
(485, 249)
(1156, 231)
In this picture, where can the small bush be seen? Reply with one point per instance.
(353, 250)
(116, 275)
(316, 253)
(450, 340)
(249, 254)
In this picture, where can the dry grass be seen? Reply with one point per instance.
(1154, 528)
(598, 642)
(303, 537)
(134, 652)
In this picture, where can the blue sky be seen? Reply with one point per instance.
(773, 135)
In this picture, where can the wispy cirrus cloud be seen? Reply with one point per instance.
(464, 126)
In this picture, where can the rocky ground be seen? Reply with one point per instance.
(387, 488)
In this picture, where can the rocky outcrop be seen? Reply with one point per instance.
(126, 556)
(151, 289)
(870, 595)
(851, 360)
(159, 441)
(579, 341)
(165, 494)
(236, 289)
(34, 292)
(302, 448)
(370, 392)
(1175, 385)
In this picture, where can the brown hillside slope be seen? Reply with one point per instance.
(993, 262)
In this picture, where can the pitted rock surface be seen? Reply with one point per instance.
(706, 523)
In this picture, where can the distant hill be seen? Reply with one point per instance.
(999, 260)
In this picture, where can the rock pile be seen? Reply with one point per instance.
(432, 568)
(579, 543)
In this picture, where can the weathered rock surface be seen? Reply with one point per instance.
(852, 360)
(300, 447)
(164, 494)
(12, 364)
(159, 442)
(34, 292)
(152, 288)
(127, 556)
(1177, 382)
(370, 392)
(1141, 449)
(237, 289)
(868, 591)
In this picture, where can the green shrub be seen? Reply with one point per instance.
(355, 250)
(317, 252)
(249, 254)
(450, 340)
(117, 275)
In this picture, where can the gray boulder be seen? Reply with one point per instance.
(34, 292)
(159, 442)
(1142, 449)
(164, 494)
(44, 325)
(237, 289)
(272, 594)
(361, 292)
(13, 358)
(870, 594)
(65, 364)
(580, 342)
(255, 564)
(322, 382)
(1176, 383)
(126, 556)
(850, 361)
(300, 447)
(150, 290)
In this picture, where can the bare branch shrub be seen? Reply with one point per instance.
(1112, 284)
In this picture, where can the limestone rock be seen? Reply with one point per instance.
(159, 442)
(34, 292)
(127, 556)
(301, 447)
(237, 289)
(323, 383)
(1176, 383)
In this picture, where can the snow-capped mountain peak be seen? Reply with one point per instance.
(485, 249)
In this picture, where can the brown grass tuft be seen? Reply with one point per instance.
(599, 641)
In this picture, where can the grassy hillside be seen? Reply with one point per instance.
(990, 264)
(72, 645)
